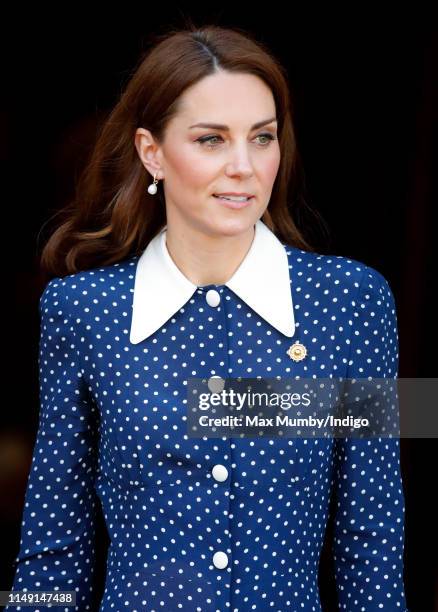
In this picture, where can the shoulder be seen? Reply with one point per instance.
(88, 286)
(335, 272)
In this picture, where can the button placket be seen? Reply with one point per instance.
(219, 471)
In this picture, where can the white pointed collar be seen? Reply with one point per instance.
(262, 281)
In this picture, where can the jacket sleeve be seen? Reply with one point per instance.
(56, 549)
(369, 522)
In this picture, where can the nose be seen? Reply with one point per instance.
(240, 162)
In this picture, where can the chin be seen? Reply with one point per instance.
(232, 226)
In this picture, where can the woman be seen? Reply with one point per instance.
(203, 273)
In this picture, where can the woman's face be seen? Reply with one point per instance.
(198, 162)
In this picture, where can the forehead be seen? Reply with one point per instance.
(233, 99)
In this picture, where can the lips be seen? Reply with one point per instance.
(232, 197)
(234, 204)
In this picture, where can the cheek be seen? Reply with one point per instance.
(270, 167)
(193, 168)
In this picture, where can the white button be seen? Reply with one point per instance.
(216, 384)
(220, 559)
(220, 472)
(213, 297)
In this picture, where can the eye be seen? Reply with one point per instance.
(266, 135)
(205, 139)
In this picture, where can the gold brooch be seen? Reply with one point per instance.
(297, 351)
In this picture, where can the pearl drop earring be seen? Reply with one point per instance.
(152, 189)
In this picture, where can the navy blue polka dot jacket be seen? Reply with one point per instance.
(209, 524)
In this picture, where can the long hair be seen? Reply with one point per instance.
(112, 216)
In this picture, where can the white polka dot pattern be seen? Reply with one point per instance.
(208, 524)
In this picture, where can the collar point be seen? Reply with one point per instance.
(134, 339)
(289, 331)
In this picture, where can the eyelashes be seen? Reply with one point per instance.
(207, 139)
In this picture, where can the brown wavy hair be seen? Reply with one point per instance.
(112, 216)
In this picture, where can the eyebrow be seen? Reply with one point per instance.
(218, 126)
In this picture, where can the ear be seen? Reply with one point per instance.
(149, 152)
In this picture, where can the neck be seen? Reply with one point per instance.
(205, 259)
